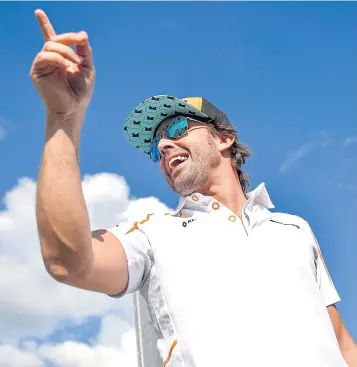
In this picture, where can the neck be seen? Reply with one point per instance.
(227, 190)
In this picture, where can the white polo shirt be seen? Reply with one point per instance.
(229, 292)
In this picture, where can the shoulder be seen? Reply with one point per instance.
(145, 222)
(294, 221)
(290, 220)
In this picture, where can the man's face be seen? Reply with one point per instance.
(187, 162)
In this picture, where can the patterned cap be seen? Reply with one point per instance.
(142, 122)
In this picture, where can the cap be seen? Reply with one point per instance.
(141, 123)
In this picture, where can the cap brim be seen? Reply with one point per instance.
(141, 123)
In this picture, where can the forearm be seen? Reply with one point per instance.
(62, 217)
(350, 355)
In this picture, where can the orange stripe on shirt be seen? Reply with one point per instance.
(170, 352)
(135, 226)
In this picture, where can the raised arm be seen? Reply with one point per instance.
(64, 79)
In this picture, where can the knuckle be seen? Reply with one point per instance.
(40, 56)
(66, 36)
(48, 46)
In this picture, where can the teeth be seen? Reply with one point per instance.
(177, 158)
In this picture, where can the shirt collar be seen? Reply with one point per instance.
(259, 196)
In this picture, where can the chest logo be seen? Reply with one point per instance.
(186, 222)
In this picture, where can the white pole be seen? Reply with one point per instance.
(146, 338)
(138, 329)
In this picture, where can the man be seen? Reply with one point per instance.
(228, 282)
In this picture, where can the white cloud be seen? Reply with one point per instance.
(32, 303)
(112, 326)
(322, 140)
(112, 353)
(11, 356)
(350, 140)
(72, 354)
(296, 156)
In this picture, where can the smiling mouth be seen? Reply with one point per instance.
(176, 161)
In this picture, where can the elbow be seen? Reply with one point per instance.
(65, 258)
(65, 274)
(58, 272)
(66, 265)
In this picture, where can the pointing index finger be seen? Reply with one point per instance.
(45, 24)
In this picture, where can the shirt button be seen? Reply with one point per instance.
(194, 197)
(232, 218)
(215, 206)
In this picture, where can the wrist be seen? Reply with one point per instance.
(69, 123)
(73, 117)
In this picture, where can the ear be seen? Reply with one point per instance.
(224, 142)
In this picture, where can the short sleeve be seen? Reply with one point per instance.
(325, 282)
(324, 279)
(138, 253)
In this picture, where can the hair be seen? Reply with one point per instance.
(238, 151)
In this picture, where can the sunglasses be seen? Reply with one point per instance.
(176, 129)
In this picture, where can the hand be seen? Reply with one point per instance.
(64, 78)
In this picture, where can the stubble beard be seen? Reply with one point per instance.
(197, 172)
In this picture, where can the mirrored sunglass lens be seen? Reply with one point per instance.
(155, 153)
(177, 129)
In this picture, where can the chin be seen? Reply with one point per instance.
(183, 187)
(184, 192)
(187, 181)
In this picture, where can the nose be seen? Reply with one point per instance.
(165, 144)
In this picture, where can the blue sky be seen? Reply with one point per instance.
(284, 73)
